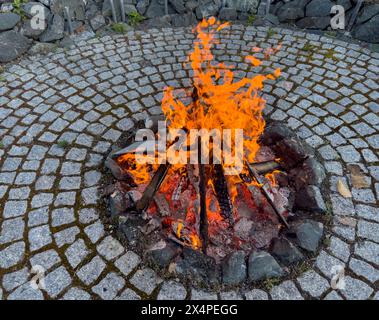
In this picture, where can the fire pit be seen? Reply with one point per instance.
(210, 192)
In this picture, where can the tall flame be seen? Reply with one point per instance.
(223, 103)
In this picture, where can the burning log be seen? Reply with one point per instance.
(222, 193)
(153, 187)
(254, 175)
(162, 204)
(203, 203)
(133, 148)
(266, 167)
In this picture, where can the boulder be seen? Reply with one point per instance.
(310, 199)
(162, 255)
(29, 31)
(286, 252)
(207, 9)
(191, 5)
(367, 13)
(119, 203)
(178, 5)
(311, 172)
(76, 8)
(345, 3)
(97, 22)
(368, 31)
(157, 9)
(250, 6)
(292, 10)
(142, 6)
(319, 8)
(228, 14)
(275, 132)
(262, 265)
(234, 268)
(309, 234)
(197, 267)
(12, 45)
(319, 23)
(292, 152)
(107, 9)
(8, 20)
(183, 20)
(55, 30)
(31, 8)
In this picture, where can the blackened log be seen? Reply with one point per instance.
(222, 193)
(133, 148)
(153, 187)
(203, 202)
(263, 187)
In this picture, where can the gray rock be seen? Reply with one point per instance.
(368, 31)
(55, 30)
(286, 252)
(249, 6)
(183, 20)
(207, 9)
(32, 8)
(320, 23)
(12, 255)
(76, 8)
(309, 234)
(12, 45)
(319, 8)
(8, 20)
(367, 12)
(310, 199)
(119, 203)
(262, 265)
(292, 10)
(107, 9)
(310, 173)
(97, 22)
(228, 14)
(178, 5)
(234, 268)
(345, 3)
(197, 267)
(142, 6)
(157, 9)
(163, 256)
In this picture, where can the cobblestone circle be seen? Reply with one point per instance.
(60, 114)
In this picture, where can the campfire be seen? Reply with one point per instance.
(209, 175)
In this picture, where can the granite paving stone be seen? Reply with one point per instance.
(61, 113)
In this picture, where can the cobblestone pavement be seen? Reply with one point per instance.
(328, 94)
